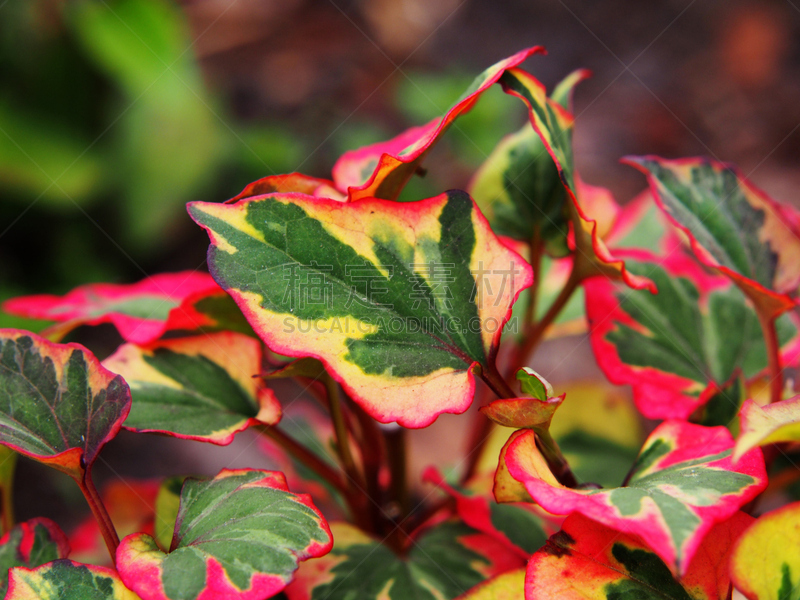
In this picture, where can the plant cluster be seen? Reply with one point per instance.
(392, 313)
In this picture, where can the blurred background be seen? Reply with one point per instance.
(115, 113)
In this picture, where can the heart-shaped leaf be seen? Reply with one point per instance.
(771, 424)
(589, 560)
(200, 388)
(677, 348)
(141, 311)
(237, 536)
(30, 544)
(442, 563)
(765, 563)
(399, 300)
(733, 226)
(554, 125)
(291, 182)
(382, 170)
(519, 189)
(58, 404)
(508, 586)
(683, 482)
(64, 579)
(517, 526)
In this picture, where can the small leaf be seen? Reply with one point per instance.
(508, 586)
(30, 544)
(399, 300)
(247, 547)
(554, 125)
(441, 563)
(677, 348)
(765, 563)
(771, 424)
(517, 526)
(66, 579)
(733, 227)
(683, 482)
(58, 404)
(589, 560)
(200, 388)
(534, 411)
(534, 385)
(291, 182)
(382, 170)
(141, 311)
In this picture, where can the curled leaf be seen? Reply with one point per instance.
(771, 424)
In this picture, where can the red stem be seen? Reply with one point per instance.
(100, 513)
(773, 356)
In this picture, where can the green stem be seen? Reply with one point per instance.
(7, 469)
(773, 356)
(555, 459)
(100, 513)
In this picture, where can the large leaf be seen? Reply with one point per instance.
(765, 564)
(381, 170)
(30, 544)
(677, 348)
(201, 388)
(443, 563)
(554, 125)
(141, 311)
(733, 226)
(683, 482)
(66, 580)
(237, 536)
(771, 424)
(519, 189)
(399, 300)
(589, 561)
(518, 526)
(58, 404)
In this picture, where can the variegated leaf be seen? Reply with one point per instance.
(238, 536)
(733, 226)
(589, 561)
(771, 424)
(534, 410)
(30, 544)
(765, 563)
(167, 505)
(399, 300)
(58, 404)
(444, 562)
(517, 526)
(382, 170)
(67, 580)
(677, 348)
(519, 190)
(683, 482)
(553, 123)
(141, 311)
(201, 388)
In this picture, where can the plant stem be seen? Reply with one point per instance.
(340, 430)
(373, 445)
(305, 456)
(100, 513)
(533, 293)
(535, 335)
(496, 382)
(773, 356)
(7, 469)
(555, 459)
(397, 454)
